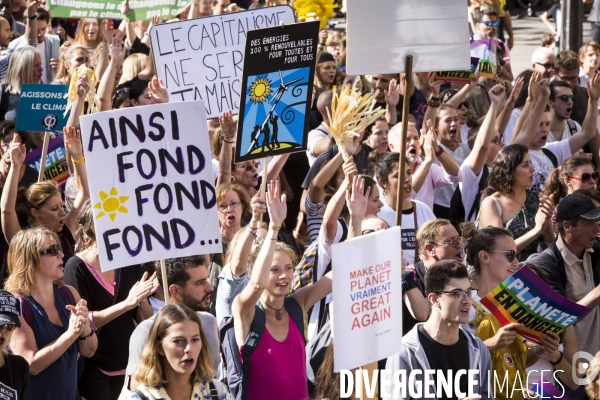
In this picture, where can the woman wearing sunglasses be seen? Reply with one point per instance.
(116, 300)
(54, 326)
(492, 254)
(41, 204)
(14, 369)
(513, 206)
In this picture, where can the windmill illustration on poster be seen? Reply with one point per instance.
(276, 95)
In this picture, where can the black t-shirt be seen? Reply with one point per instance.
(453, 358)
(361, 160)
(113, 338)
(14, 376)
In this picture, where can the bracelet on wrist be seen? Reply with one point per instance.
(78, 161)
(535, 351)
(559, 360)
(87, 336)
(439, 152)
(275, 228)
(32, 17)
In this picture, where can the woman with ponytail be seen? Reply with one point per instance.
(576, 173)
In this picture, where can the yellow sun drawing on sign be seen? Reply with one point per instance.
(110, 204)
(260, 90)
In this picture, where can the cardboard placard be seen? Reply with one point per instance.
(276, 93)
(139, 10)
(151, 183)
(458, 76)
(42, 107)
(434, 32)
(485, 50)
(56, 161)
(525, 298)
(367, 299)
(203, 58)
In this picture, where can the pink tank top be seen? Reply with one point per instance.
(278, 369)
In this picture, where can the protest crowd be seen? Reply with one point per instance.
(500, 177)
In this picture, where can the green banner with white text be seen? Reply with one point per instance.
(139, 10)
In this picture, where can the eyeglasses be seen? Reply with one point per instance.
(511, 255)
(7, 328)
(52, 250)
(460, 294)
(568, 78)
(82, 60)
(564, 98)
(249, 166)
(585, 177)
(547, 65)
(457, 241)
(495, 24)
(233, 204)
(498, 140)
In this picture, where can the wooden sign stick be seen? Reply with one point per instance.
(44, 155)
(402, 148)
(163, 271)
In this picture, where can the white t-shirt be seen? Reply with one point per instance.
(436, 177)
(444, 194)
(567, 133)
(215, 168)
(42, 48)
(543, 165)
(313, 137)
(510, 127)
(409, 231)
(469, 188)
(464, 133)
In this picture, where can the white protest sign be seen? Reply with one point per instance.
(203, 58)
(367, 299)
(151, 183)
(434, 32)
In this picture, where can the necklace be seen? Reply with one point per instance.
(277, 311)
(521, 204)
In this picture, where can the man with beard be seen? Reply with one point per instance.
(188, 284)
(561, 108)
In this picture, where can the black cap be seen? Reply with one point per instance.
(325, 57)
(577, 206)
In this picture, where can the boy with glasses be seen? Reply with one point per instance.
(440, 344)
(561, 108)
(567, 70)
(486, 23)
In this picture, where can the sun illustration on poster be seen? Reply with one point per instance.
(110, 204)
(260, 90)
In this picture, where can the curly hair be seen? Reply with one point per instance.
(152, 370)
(502, 175)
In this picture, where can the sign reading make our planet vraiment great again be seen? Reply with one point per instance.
(151, 183)
(276, 90)
(526, 299)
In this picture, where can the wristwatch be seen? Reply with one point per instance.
(409, 281)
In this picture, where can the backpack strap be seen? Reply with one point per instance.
(295, 311)
(214, 393)
(482, 184)
(25, 309)
(551, 156)
(572, 126)
(414, 208)
(68, 294)
(254, 336)
(141, 394)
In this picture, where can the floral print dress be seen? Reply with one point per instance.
(200, 391)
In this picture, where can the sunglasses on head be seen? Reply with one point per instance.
(52, 250)
(564, 97)
(249, 166)
(491, 23)
(510, 255)
(585, 177)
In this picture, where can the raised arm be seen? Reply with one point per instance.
(228, 128)
(243, 246)
(107, 82)
(74, 149)
(243, 305)
(461, 95)
(392, 97)
(316, 190)
(357, 205)
(31, 24)
(431, 112)
(504, 117)
(129, 28)
(486, 132)
(589, 128)
(10, 221)
(428, 146)
(82, 87)
(532, 123)
(336, 204)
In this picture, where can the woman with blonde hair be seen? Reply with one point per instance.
(132, 66)
(73, 56)
(54, 325)
(25, 66)
(176, 362)
(116, 300)
(593, 388)
(41, 204)
(89, 33)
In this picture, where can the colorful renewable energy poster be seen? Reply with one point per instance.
(276, 90)
(525, 298)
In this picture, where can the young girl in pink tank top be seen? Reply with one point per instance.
(278, 364)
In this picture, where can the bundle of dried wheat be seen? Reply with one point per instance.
(91, 95)
(350, 114)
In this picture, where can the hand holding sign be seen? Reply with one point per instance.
(550, 342)
(258, 205)
(17, 152)
(504, 337)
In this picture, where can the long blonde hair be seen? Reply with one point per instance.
(132, 66)
(80, 34)
(152, 367)
(24, 259)
(20, 69)
(68, 48)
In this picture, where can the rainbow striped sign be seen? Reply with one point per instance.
(526, 299)
(56, 161)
